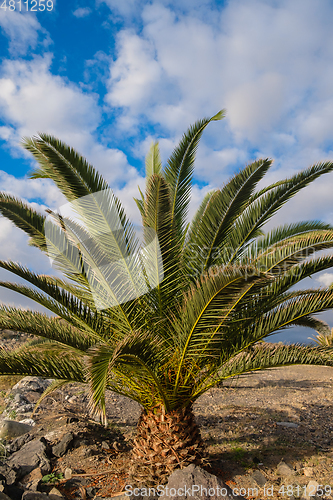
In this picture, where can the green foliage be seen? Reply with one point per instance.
(53, 477)
(224, 284)
(12, 414)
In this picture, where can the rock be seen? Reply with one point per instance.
(36, 384)
(19, 442)
(31, 481)
(9, 473)
(311, 490)
(10, 429)
(194, 482)
(287, 424)
(308, 471)
(14, 492)
(25, 408)
(37, 495)
(56, 493)
(60, 449)
(20, 399)
(285, 470)
(68, 473)
(31, 456)
(91, 492)
(28, 421)
(259, 478)
(3, 496)
(34, 495)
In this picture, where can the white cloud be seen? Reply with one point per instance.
(82, 12)
(268, 64)
(27, 189)
(124, 8)
(325, 279)
(34, 100)
(134, 74)
(260, 61)
(23, 31)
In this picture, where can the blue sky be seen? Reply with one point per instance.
(108, 77)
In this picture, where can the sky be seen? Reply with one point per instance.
(108, 77)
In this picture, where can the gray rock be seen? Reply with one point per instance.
(20, 399)
(285, 470)
(60, 449)
(31, 456)
(259, 478)
(19, 442)
(11, 429)
(195, 483)
(34, 495)
(287, 424)
(25, 408)
(36, 384)
(9, 473)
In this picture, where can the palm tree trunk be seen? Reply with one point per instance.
(164, 442)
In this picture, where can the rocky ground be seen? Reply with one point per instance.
(268, 434)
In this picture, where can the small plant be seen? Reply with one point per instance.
(238, 453)
(54, 477)
(12, 414)
(3, 394)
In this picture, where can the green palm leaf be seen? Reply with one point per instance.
(219, 216)
(179, 172)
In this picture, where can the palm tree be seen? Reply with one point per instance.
(163, 322)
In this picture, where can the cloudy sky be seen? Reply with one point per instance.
(108, 77)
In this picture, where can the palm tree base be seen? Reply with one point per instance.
(164, 442)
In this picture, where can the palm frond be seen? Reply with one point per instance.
(179, 172)
(41, 325)
(264, 356)
(206, 309)
(317, 324)
(260, 210)
(212, 226)
(153, 161)
(24, 217)
(73, 175)
(161, 245)
(288, 231)
(38, 363)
